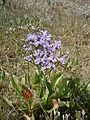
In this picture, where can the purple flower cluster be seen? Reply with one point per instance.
(43, 50)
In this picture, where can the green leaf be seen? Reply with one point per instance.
(15, 84)
(62, 89)
(65, 92)
(8, 102)
(23, 81)
(58, 80)
(36, 78)
(48, 105)
(46, 95)
(49, 86)
(67, 104)
(54, 78)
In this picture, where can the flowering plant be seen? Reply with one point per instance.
(45, 53)
(47, 95)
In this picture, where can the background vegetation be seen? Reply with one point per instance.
(66, 19)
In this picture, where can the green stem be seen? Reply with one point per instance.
(29, 77)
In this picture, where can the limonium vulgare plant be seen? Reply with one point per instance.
(49, 94)
(45, 54)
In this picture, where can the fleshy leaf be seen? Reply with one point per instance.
(36, 78)
(58, 80)
(15, 84)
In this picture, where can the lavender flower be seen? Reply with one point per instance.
(52, 58)
(27, 48)
(45, 32)
(38, 53)
(63, 60)
(28, 58)
(42, 50)
(31, 37)
(37, 61)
